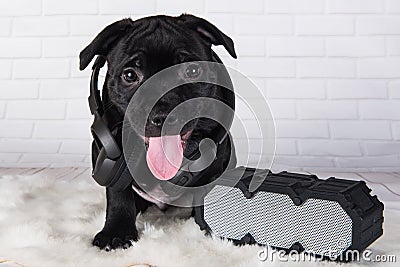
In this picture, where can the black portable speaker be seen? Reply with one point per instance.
(292, 211)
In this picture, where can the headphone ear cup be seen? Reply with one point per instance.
(120, 173)
(103, 169)
(95, 152)
(111, 173)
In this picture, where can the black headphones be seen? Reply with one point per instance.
(111, 164)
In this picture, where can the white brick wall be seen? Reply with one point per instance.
(355, 46)
(324, 25)
(122, 7)
(21, 8)
(294, 6)
(295, 47)
(356, 89)
(355, 6)
(40, 26)
(315, 109)
(378, 24)
(325, 68)
(329, 68)
(263, 24)
(20, 48)
(393, 6)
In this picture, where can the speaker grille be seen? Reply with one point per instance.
(321, 226)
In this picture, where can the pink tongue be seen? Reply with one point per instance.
(164, 156)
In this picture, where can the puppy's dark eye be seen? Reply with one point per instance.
(130, 76)
(193, 71)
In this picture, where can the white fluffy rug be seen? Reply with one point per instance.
(51, 222)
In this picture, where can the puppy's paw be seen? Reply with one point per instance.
(109, 240)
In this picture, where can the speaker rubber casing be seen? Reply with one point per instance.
(356, 210)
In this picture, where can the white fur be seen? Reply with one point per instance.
(51, 222)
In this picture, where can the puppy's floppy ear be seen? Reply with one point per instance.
(209, 31)
(103, 41)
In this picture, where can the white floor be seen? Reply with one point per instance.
(48, 218)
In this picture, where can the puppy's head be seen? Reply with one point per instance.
(136, 50)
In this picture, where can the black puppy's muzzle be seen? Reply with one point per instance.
(163, 123)
(171, 114)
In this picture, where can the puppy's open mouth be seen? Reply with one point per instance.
(165, 154)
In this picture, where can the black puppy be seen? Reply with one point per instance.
(136, 50)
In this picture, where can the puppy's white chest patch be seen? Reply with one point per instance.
(156, 196)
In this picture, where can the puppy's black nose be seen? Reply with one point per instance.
(159, 120)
